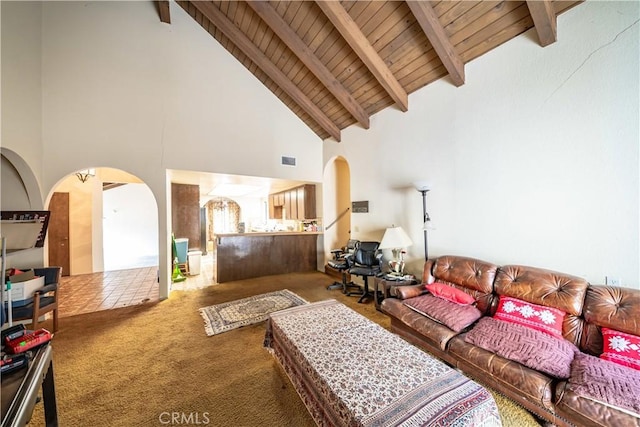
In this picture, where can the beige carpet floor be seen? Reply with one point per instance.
(145, 365)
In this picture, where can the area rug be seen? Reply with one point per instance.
(246, 311)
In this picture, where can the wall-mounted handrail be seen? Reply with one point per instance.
(343, 213)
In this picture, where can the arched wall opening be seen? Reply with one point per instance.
(108, 222)
(19, 190)
(223, 216)
(337, 204)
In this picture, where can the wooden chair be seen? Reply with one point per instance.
(45, 299)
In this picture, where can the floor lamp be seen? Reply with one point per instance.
(423, 188)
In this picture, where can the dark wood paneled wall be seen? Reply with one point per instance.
(185, 213)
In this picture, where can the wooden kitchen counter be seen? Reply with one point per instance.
(247, 255)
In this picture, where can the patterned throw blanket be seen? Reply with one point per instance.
(350, 371)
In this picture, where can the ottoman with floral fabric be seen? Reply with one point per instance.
(350, 371)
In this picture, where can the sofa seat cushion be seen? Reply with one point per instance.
(434, 333)
(502, 374)
(606, 382)
(455, 316)
(587, 412)
(532, 348)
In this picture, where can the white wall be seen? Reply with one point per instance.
(148, 96)
(130, 226)
(21, 39)
(121, 89)
(21, 119)
(533, 161)
(15, 197)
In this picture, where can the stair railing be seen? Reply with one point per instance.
(343, 213)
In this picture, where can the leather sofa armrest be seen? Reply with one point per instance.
(404, 292)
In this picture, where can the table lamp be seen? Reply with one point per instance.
(396, 239)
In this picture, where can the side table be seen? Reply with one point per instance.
(383, 285)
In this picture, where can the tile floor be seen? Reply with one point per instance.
(87, 293)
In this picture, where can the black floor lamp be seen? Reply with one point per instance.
(423, 188)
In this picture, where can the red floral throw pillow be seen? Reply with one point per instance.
(538, 317)
(621, 348)
(450, 293)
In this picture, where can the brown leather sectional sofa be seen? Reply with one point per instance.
(587, 307)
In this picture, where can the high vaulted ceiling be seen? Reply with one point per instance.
(336, 63)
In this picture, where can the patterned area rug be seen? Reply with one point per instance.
(247, 311)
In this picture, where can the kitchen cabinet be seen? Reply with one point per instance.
(292, 207)
(297, 203)
(288, 213)
(300, 202)
(272, 207)
(275, 207)
(306, 202)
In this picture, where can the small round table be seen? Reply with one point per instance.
(383, 285)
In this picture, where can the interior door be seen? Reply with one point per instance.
(59, 254)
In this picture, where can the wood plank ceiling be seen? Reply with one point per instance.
(336, 63)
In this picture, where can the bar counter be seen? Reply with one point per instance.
(247, 255)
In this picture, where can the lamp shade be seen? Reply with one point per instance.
(422, 185)
(395, 237)
(85, 174)
(428, 225)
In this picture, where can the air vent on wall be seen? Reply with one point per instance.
(288, 161)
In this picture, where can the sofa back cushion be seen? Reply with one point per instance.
(470, 275)
(610, 307)
(547, 288)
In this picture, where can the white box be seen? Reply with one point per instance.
(193, 259)
(22, 292)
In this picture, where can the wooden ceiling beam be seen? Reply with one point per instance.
(238, 38)
(428, 21)
(545, 21)
(307, 56)
(343, 22)
(163, 9)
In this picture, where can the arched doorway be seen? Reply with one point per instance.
(109, 231)
(111, 222)
(223, 216)
(337, 204)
